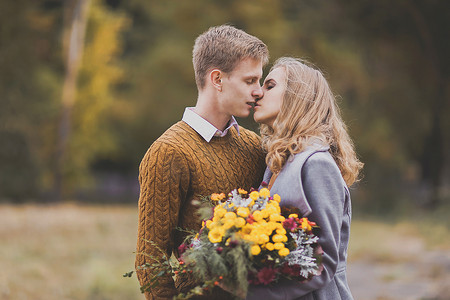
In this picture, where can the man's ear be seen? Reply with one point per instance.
(215, 76)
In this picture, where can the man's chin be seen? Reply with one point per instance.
(243, 114)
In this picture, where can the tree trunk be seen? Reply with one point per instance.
(73, 42)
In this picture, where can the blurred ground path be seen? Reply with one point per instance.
(79, 252)
(400, 267)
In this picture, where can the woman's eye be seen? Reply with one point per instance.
(270, 86)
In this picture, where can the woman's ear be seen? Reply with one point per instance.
(215, 76)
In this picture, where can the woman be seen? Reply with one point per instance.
(311, 162)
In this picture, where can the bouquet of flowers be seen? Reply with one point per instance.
(246, 239)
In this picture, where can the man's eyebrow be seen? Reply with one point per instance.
(252, 76)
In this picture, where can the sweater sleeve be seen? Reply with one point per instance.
(325, 193)
(163, 178)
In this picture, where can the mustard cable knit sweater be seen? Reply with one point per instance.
(178, 167)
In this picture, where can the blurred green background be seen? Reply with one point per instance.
(77, 128)
(131, 76)
(87, 85)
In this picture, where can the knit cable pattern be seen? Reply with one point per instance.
(181, 166)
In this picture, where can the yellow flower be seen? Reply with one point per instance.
(272, 209)
(219, 212)
(281, 231)
(247, 229)
(263, 238)
(274, 217)
(305, 224)
(255, 250)
(222, 196)
(247, 237)
(215, 197)
(283, 252)
(239, 222)
(242, 191)
(257, 215)
(278, 246)
(208, 224)
(277, 198)
(230, 215)
(272, 226)
(243, 212)
(254, 195)
(278, 225)
(269, 246)
(228, 223)
(274, 206)
(267, 228)
(265, 212)
(278, 238)
(264, 192)
(216, 235)
(293, 216)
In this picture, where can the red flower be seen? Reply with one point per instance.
(182, 248)
(266, 275)
(293, 270)
(289, 224)
(233, 243)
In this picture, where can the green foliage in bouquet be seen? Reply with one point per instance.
(244, 239)
(227, 264)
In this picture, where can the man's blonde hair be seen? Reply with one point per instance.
(308, 113)
(223, 47)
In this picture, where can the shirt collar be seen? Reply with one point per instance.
(203, 127)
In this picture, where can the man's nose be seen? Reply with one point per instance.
(258, 93)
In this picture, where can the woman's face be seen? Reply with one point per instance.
(268, 107)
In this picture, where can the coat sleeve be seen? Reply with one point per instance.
(325, 193)
(163, 178)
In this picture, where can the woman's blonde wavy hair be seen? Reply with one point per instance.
(308, 114)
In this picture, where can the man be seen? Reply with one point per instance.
(207, 152)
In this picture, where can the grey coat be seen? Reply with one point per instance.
(312, 182)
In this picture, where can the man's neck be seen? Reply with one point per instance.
(207, 109)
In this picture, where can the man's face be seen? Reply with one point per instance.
(240, 88)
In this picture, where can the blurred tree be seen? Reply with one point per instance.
(88, 134)
(76, 15)
(386, 61)
(409, 66)
(31, 57)
(24, 102)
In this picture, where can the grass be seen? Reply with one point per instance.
(76, 252)
(67, 252)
